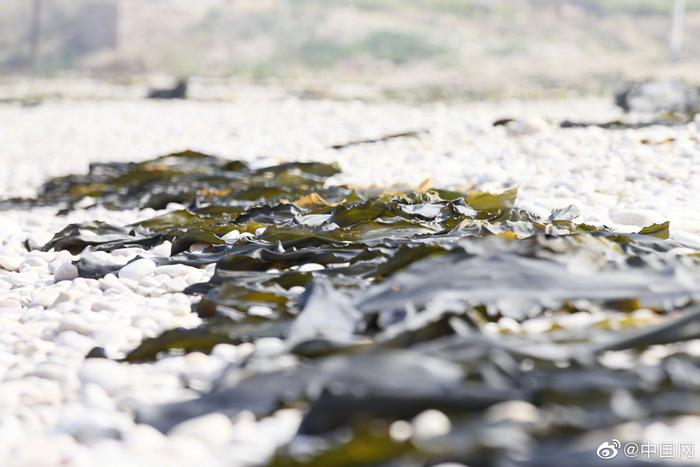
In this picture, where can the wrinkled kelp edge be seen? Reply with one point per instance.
(387, 305)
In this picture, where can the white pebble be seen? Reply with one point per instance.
(268, 346)
(44, 297)
(175, 270)
(65, 272)
(72, 339)
(400, 430)
(10, 303)
(226, 352)
(198, 247)
(214, 429)
(10, 263)
(95, 396)
(430, 424)
(164, 249)
(517, 411)
(528, 125)
(108, 374)
(259, 310)
(635, 217)
(231, 236)
(309, 267)
(137, 269)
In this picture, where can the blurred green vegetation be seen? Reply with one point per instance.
(392, 46)
(439, 47)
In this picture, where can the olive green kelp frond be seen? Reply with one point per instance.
(394, 305)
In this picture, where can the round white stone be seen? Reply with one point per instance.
(430, 424)
(309, 267)
(10, 263)
(213, 429)
(137, 269)
(635, 217)
(231, 236)
(108, 374)
(65, 272)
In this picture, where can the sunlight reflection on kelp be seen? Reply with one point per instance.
(394, 304)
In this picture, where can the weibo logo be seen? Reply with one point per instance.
(608, 449)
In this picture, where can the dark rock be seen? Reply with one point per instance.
(97, 352)
(659, 97)
(179, 91)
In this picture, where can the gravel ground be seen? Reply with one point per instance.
(58, 408)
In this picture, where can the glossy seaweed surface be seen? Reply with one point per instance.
(391, 304)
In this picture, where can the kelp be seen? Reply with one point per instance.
(626, 125)
(190, 178)
(380, 139)
(386, 304)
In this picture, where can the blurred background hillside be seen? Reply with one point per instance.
(424, 49)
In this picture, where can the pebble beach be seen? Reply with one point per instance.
(59, 408)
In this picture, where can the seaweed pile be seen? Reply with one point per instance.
(393, 304)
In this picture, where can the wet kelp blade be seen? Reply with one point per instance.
(515, 282)
(188, 178)
(384, 305)
(404, 373)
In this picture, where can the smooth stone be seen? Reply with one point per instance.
(309, 267)
(430, 424)
(94, 395)
(64, 297)
(65, 272)
(259, 310)
(103, 305)
(110, 281)
(198, 247)
(63, 255)
(177, 284)
(164, 249)
(636, 217)
(174, 270)
(44, 297)
(226, 352)
(512, 411)
(97, 352)
(56, 372)
(35, 451)
(10, 304)
(529, 125)
(144, 437)
(213, 429)
(108, 374)
(89, 424)
(401, 431)
(268, 346)
(34, 260)
(231, 237)
(75, 340)
(73, 322)
(192, 452)
(148, 281)
(179, 304)
(137, 269)
(127, 252)
(10, 263)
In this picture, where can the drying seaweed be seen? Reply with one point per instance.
(391, 304)
(670, 120)
(189, 178)
(388, 137)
